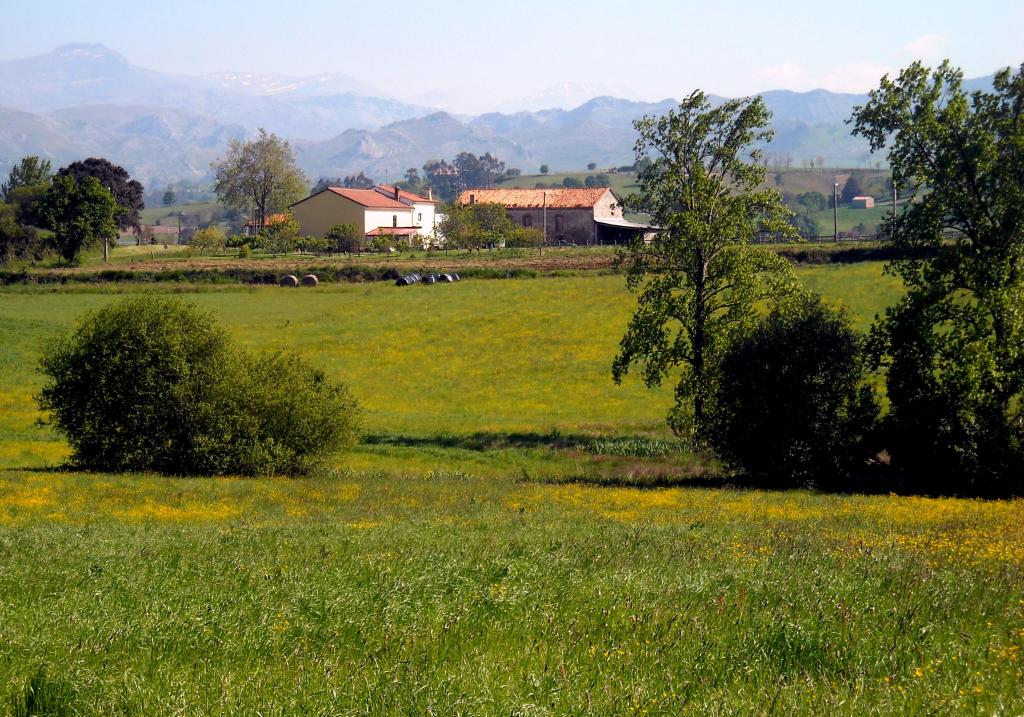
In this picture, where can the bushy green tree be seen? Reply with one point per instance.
(814, 201)
(211, 238)
(154, 384)
(700, 279)
(25, 188)
(282, 235)
(18, 241)
(260, 176)
(793, 403)
(954, 344)
(346, 238)
(80, 214)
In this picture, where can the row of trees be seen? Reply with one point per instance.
(83, 204)
(790, 397)
(476, 226)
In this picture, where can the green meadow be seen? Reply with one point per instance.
(516, 535)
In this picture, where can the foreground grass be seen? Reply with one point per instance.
(371, 594)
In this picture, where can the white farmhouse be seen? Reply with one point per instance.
(380, 210)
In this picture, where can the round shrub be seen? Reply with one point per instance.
(793, 406)
(154, 384)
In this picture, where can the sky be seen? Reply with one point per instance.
(488, 52)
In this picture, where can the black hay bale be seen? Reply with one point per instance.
(445, 278)
(408, 280)
(430, 279)
(310, 280)
(289, 280)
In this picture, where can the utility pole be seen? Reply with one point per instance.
(545, 221)
(835, 212)
(179, 226)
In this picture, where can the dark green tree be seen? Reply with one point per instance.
(700, 280)
(954, 344)
(18, 241)
(794, 405)
(169, 197)
(850, 190)
(81, 214)
(126, 191)
(544, 169)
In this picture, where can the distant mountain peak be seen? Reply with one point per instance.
(88, 51)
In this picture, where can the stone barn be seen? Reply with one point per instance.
(572, 216)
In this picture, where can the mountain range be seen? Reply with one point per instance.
(88, 100)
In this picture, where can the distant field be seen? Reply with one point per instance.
(168, 215)
(499, 357)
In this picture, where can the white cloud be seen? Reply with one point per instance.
(788, 75)
(855, 77)
(928, 48)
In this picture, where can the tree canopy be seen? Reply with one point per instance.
(127, 192)
(954, 344)
(28, 172)
(699, 279)
(80, 214)
(259, 176)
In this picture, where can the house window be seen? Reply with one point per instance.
(394, 220)
(419, 218)
(527, 220)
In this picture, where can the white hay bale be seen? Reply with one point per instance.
(289, 280)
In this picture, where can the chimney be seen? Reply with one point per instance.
(430, 194)
(396, 194)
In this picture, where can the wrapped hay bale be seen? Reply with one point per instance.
(310, 280)
(289, 280)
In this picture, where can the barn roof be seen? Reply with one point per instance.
(535, 198)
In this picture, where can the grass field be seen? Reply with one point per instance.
(168, 215)
(481, 552)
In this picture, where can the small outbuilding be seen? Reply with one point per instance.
(862, 202)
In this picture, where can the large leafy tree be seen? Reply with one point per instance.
(80, 214)
(700, 278)
(127, 191)
(259, 176)
(955, 342)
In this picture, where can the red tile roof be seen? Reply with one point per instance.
(395, 231)
(534, 198)
(368, 198)
(408, 196)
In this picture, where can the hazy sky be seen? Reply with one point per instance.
(487, 52)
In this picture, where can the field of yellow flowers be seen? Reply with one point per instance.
(356, 593)
(516, 536)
